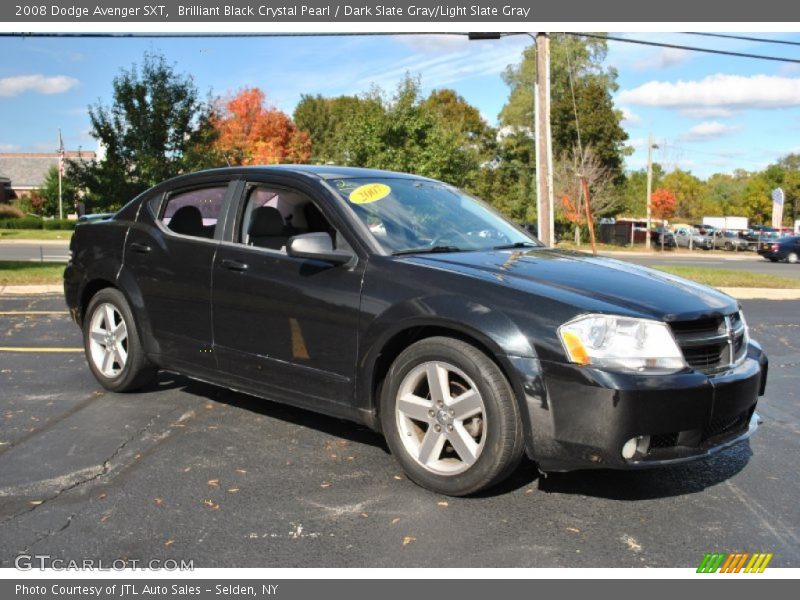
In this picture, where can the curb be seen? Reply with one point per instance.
(698, 255)
(29, 290)
(761, 293)
(23, 242)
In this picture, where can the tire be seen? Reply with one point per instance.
(792, 258)
(454, 451)
(124, 367)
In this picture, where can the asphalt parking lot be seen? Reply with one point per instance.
(189, 470)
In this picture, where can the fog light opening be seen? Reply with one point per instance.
(636, 446)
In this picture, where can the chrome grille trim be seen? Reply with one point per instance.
(712, 345)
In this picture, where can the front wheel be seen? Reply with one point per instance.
(450, 417)
(112, 345)
(792, 258)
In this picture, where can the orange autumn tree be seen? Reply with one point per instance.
(663, 203)
(249, 132)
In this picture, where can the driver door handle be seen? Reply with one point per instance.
(140, 248)
(234, 265)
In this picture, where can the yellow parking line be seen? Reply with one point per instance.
(7, 313)
(29, 349)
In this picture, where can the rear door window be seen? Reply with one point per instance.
(194, 212)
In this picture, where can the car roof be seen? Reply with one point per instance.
(319, 171)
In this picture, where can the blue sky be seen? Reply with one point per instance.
(707, 113)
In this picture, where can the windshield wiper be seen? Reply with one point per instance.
(516, 245)
(428, 250)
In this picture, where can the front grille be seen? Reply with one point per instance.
(711, 344)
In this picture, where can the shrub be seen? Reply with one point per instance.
(21, 223)
(58, 224)
(10, 212)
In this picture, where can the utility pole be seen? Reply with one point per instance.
(649, 188)
(544, 155)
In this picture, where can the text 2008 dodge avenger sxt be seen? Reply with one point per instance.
(402, 303)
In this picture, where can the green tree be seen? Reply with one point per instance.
(151, 131)
(688, 191)
(785, 174)
(755, 201)
(508, 182)
(722, 191)
(592, 85)
(401, 133)
(634, 191)
(48, 194)
(327, 121)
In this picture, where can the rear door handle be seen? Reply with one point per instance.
(140, 248)
(234, 265)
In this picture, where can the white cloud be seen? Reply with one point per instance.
(629, 117)
(637, 143)
(708, 130)
(18, 84)
(435, 43)
(708, 113)
(664, 58)
(5, 147)
(443, 60)
(717, 95)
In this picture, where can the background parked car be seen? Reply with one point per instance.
(758, 233)
(787, 248)
(94, 217)
(704, 229)
(731, 240)
(689, 237)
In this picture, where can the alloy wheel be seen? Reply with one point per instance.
(108, 343)
(441, 418)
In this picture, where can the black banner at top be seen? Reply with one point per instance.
(396, 11)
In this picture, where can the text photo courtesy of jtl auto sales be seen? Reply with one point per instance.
(305, 299)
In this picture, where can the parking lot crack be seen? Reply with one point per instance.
(96, 473)
(52, 423)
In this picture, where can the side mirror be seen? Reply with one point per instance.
(316, 246)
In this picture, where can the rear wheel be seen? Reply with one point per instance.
(450, 418)
(112, 345)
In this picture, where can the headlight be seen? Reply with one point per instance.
(621, 343)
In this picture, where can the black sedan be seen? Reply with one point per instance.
(787, 248)
(404, 304)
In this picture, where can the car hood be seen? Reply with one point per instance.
(588, 282)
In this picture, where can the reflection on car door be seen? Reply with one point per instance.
(278, 320)
(170, 252)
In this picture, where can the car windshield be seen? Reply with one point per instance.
(412, 215)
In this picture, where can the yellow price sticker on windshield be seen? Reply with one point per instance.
(371, 192)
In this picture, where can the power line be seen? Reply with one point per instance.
(742, 38)
(213, 34)
(682, 47)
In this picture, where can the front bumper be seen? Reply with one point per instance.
(580, 417)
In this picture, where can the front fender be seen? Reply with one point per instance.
(491, 328)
